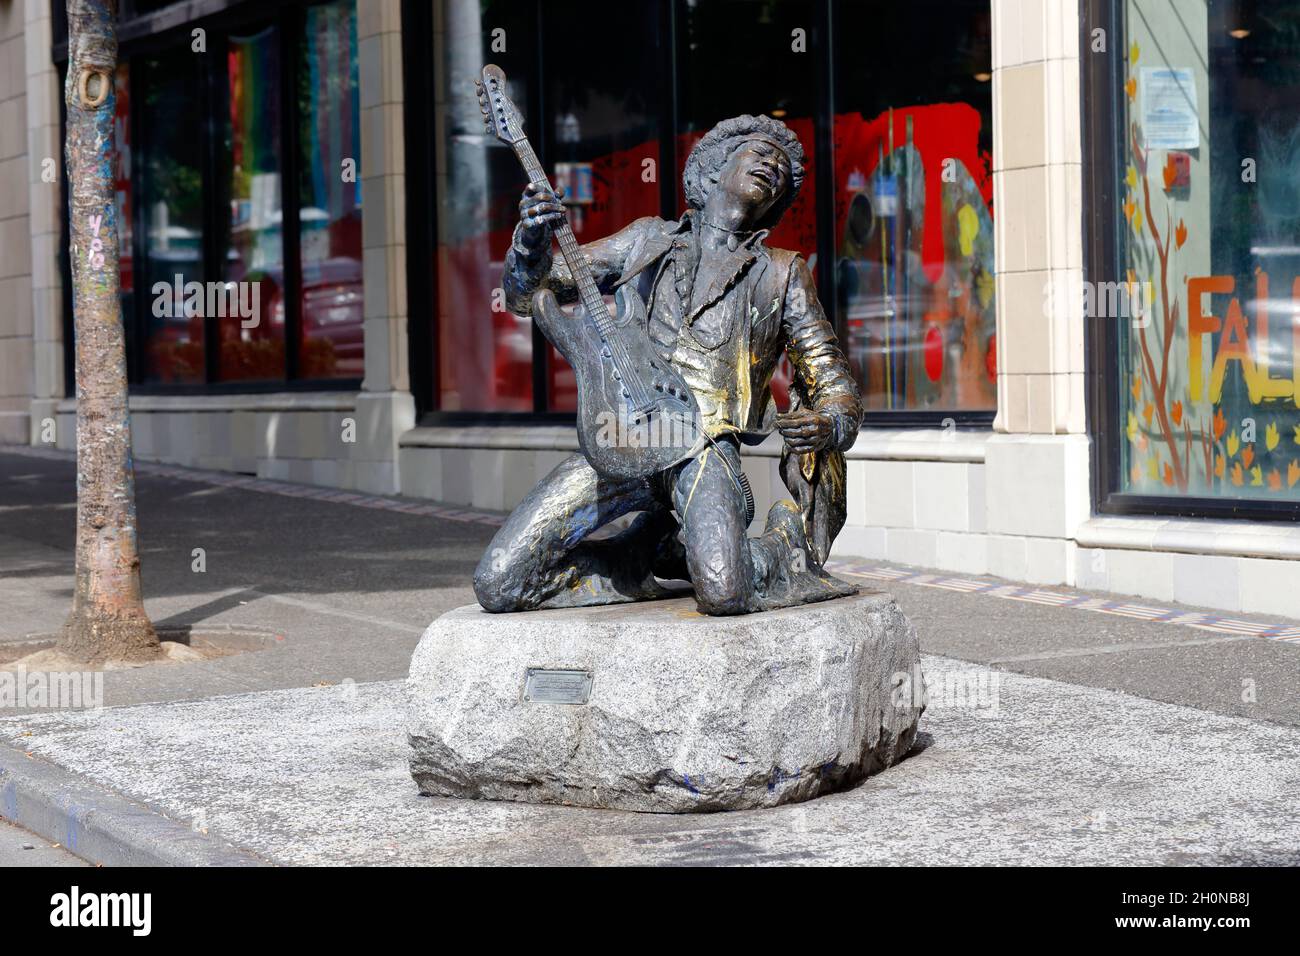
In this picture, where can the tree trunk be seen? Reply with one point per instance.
(108, 621)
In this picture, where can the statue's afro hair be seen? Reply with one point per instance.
(711, 153)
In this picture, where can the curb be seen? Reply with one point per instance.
(101, 826)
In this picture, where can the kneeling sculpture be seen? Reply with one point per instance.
(670, 387)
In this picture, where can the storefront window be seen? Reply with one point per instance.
(252, 337)
(753, 56)
(1208, 382)
(209, 293)
(166, 87)
(908, 243)
(605, 127)
(329, 208)
(914, 203)
(485, 354)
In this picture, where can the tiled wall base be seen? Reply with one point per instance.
(15, 427)
(1035, 560)
(336, 440)
(1232, 583)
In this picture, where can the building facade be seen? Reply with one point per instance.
(1058, 239)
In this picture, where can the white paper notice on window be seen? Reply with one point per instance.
(1170, 119)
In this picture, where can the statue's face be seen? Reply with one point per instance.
(755, 177)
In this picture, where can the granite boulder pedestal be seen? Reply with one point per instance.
(655, 707)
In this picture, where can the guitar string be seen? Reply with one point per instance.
(595, 306)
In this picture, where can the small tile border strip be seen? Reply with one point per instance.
(1064, 597)
(1056, 597)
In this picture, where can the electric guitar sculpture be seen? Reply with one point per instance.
(636, 416)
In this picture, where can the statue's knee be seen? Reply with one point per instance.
(493, 584)
(719, 596)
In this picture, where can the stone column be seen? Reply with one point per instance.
(16, 374)
(45, 199)
(385, 406)
(1037, 460)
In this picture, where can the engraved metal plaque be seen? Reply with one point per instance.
(545, 686)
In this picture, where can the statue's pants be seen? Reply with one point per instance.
(542, 557)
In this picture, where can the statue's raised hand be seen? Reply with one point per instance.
(540, 212)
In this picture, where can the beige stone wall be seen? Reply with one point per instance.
(383, 190)
(16, 380)
(1037, 183)
(306, 437)
(385, 408)
(42, 191)
(1036, 464)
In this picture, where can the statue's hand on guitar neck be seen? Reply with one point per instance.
(540, 213)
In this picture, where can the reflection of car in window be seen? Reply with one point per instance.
(333, 308)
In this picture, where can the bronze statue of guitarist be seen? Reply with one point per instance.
(721, 309)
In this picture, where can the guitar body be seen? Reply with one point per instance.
(636, 416)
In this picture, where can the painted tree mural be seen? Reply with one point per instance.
(1205, 410)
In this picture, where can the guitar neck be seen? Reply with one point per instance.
(578, 265)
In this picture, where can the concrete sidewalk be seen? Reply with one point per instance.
(345, 584)
(1056, 774)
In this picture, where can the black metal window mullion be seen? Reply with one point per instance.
(1100, 85)
(824, 163)
(291, 26)
(421, 205)
(541, 142)
(142, 306)
(669, 115)
(290, 236)
(212, 67)
(65, 240)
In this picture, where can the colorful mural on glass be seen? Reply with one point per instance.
(914, 220)
(1210, 393)
(915, 271)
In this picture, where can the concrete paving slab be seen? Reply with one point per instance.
(1057, 774)
(1245, 677)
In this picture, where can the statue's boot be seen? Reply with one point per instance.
(785, 573)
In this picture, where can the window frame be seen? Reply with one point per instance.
(1101, 83)
(167, 28)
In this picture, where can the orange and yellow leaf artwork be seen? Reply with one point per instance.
(1210, 366)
